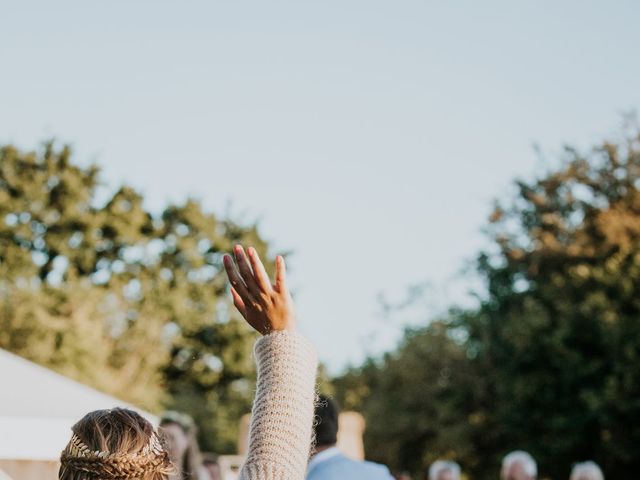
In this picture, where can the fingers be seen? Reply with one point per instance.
(237, 301)
(260, 274)
(281, 275)
(245, 271)
(269, 308)
(235, 279)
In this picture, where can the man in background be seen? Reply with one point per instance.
(443, 470)
(327, 463)
(586, 471)
(519, 465)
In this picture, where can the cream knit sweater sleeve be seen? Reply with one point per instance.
(282, 417)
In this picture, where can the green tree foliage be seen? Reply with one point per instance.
(550, 360)
(560, 327)
(410, 395)
(132, 303)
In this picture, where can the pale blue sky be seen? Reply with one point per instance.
(368, 136)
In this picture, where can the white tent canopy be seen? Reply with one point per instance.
(38, 408)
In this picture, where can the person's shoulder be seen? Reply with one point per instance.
(378, 471)
(346, 468)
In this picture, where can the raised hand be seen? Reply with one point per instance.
(265, 306)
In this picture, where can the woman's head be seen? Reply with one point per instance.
(180, 433)
(114, 444)
(178, 429)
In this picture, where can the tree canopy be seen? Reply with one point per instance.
(549, 362)
(131, 302)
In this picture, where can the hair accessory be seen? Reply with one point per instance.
(77, 456)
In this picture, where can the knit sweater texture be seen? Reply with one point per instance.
(280, 434)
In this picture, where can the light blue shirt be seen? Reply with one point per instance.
(330, 464)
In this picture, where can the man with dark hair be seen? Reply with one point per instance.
(327, 462)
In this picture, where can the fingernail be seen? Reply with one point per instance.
(251, 251)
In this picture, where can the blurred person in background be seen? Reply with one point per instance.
(327, 462)
(586, 471)
(519, 465)
(211, 465)
(444, 470)
(179, 430)
(402, 476)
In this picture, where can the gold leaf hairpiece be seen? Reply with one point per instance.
(77, 448)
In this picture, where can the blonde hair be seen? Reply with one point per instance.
(116, 444)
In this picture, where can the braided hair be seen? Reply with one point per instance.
(116, 444)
